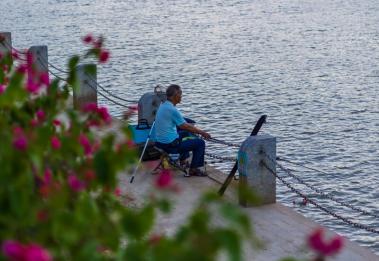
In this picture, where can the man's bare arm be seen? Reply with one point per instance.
(193, 129)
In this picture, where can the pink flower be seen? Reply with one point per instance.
(29, 60)
(89, 175)
(117, 192)
(55, 143)
(34, 252)
(20, 142)
(13, 250)
(17, 131)
(22, 69)
(40, 115)
(48, 176)
(57, 122)
(84, 141)
(32, 87)
(103, 112)
(5, 68)
(317, 243)
(33, 122)
(155, 239)
(44, 79)
(75, 184)
(164, 180)
(88, 39)
(91, 106)
(15, 55)
(2, 88)
(133, 107)
(16, 251)
(104, 56)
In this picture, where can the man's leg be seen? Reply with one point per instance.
(197, 146)
(183, 155)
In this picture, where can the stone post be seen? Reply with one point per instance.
(5, 43)
(252, 174)
(40, 59)
(86, 90)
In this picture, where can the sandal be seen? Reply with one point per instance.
(184, 164)
(197, 173)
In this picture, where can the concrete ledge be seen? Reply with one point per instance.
(282, 230)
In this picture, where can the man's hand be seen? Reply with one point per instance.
(193, 129)
(205, 135)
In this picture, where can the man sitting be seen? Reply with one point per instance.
(167, 119)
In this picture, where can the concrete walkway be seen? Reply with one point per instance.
(282, 230)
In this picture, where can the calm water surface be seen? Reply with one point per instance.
(311, 66)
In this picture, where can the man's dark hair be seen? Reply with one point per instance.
(172, 90)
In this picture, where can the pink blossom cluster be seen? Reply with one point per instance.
(86, 144)
(20, 141)
(15, 251)
(39, 118)
(97, 44)
(47, 184)
(132, 109)
(164, 181)
(75, 183)
(2, 88)
(101, 112)
(322, 247)
(55, 143)
(35, 80)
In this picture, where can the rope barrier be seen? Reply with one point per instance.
(220, 157)
(328, 196)
(311, 201)
(43, 62)
(223, 142)
(7, 45)
(55, 67)
(46, 68)
(98, 91)
(110, 93)
(107, 98)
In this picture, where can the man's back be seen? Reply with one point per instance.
(166, 120)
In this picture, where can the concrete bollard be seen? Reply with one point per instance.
(40, 59)
(86, 90)
(5, 43)
(252, 174)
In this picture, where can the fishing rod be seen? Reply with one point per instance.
(227, 181)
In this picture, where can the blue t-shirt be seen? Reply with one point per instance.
(166, 120)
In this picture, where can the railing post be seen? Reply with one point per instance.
(252, 174)
(86, 90)
(5, 43)
(40, 59)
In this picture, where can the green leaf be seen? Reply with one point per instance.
(73, 62)
(138, 223)
(90, 69)
(164, 205)
(103, 168)
(237, 217)
(231, 241)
